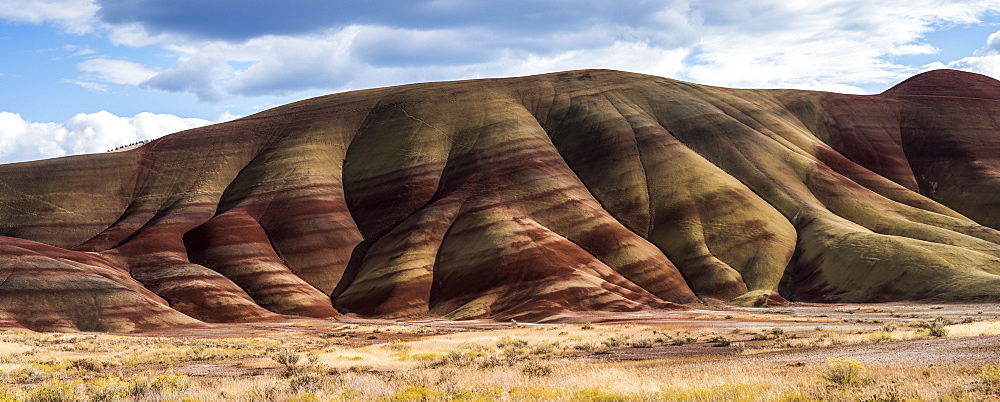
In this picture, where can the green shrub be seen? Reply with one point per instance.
(937, 329)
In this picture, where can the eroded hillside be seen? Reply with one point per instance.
(520, 198)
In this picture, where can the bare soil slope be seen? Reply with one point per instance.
(522, 198)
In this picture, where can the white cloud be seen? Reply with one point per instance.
(134, 35)
(839, 45)
(195, 75)
(626, 56)
(355, 57)
(93, 86)
(226, 116)
(22, 140)
(987, 65)
(79, 50)
(986, 61)
(117, 71)
(73, 16)
(993, 42)
(824, 42)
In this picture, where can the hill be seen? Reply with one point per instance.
(521, 198)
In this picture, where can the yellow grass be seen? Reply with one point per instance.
(544, 362)
(987, 327)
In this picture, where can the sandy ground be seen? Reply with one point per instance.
(973, 350)
(792, 319)
(715, 351)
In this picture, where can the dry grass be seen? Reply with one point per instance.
(976, 328)
(527, 362)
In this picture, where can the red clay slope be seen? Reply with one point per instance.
(517, 198)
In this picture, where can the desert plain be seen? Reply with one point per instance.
(798, 352)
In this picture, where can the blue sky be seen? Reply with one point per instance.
(81, 76)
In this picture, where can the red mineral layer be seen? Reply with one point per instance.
(528, 198)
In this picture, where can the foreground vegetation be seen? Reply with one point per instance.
(579, 362)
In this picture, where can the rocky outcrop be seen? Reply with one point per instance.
(521, 198)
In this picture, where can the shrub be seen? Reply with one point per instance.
(423, 357)
(844, 371)
(739, 347)
(306, 397)
(880, 337)
(414, 393)
(718, 341)
(305, 383)
(399, 346)
(543, 348)
(508, 342)
(108, 389)
(642, 343)
(52, 391)
(261, 394)
(990, 375)
(536, 369)
(10, 396)
(488, 394)
(456, 358)
(169, 382)
(597, 395)
(25, 374)
(85, 365)
(490, 362)
(616, 340)
(289, 359)
(937, 328)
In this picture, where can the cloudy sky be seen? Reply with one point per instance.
(81, 76)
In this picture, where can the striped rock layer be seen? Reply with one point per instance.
(524, 198)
